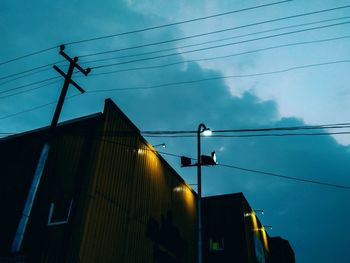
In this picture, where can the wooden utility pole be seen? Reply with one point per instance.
(17, 241)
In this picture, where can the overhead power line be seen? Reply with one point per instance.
(285, 177)
(141, 30)
(178, 23)
(186, 82)
(216, 31)
(29, 84)
(180, 83)
(219, 46)
(191, 133)
(35, 108)
(220, 57)
(30, 70)
(28, 90)
(46, 66)
(181, 62)
(250, 135)
(291, 178)
(250, 170)
(178, 62)
(28, 55)
(211, 41)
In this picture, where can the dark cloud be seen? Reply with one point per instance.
(314, 218)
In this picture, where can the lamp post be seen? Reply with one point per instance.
(206, 132)
(160, 145)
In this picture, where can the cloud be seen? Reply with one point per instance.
(313, 218)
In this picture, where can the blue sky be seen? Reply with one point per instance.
(313, 218)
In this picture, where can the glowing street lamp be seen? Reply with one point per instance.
(160, 145)
(206, 132)
(201, 160)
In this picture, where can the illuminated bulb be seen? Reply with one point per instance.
(178, 189)
(207, 132)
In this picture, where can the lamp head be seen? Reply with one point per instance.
(207, 132)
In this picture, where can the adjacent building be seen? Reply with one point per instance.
(281, 250)
(232, 232)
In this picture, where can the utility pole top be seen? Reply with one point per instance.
(67, 80)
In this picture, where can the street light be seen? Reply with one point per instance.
(206, 132)
(254, 212)
(160, 145)
(205, 160)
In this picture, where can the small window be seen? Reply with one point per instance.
(59, 213)
(216, 244)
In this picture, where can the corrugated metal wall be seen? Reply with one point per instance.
(131, 186)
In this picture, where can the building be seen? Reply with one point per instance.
(281, 250)
(232, 232)
(105, 195)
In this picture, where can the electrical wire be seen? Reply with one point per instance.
(28, 90)
(28, 55)
(251, 170)
(188, 82)
(251, 135)
(180, 83)
(29, 84)
(215, 32)
(186, 21)
(245, 169)
(202, 43)
(220, 57)
(181, 62)
(197, 44)
(197, 60)
(35, 108)
(219, 46)
(285, 177)
(143, 30)
(30, 70)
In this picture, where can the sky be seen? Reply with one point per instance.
(291, 71)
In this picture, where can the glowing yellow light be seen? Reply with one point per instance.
(140, 151)
(178, 189)
(185, 192)
(247, 214)
(264, 237)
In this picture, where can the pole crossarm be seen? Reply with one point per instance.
(67, 80)
(71, 81)
(74, 60)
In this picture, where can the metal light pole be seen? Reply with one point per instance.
(201, 128)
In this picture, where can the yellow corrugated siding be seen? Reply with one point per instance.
(130, 184)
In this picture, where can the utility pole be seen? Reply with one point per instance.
(17, 241)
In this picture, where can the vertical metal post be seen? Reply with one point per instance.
(199, 185)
